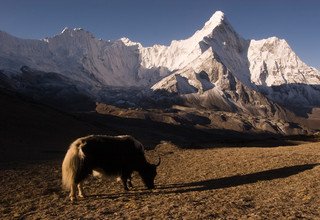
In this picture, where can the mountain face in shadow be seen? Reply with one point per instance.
(299, 98)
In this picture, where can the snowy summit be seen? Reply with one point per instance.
(216, 51)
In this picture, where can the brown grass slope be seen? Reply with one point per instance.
(225, 183)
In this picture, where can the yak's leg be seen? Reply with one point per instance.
(72, 195)
(80, 178)
(124, 182)
(124, 177)
(80, 189)
(129, 183)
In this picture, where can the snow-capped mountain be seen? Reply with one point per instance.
(215, 67)
(273, 63)
(75, 54)
(224, 62)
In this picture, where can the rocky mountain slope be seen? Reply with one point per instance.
(226, 61)
(213, 69)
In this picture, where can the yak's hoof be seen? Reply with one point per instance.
(82, 195)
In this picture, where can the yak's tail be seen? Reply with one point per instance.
(72, 164)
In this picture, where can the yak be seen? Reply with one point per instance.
(109, 155)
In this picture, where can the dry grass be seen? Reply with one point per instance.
(225, 183)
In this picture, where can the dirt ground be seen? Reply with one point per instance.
(224, 183)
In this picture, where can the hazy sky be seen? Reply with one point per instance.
(160, 21)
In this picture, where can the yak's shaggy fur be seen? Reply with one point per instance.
(110, 155)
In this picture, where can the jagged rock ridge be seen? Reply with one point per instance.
(214, 68)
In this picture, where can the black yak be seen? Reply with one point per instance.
(109, 155)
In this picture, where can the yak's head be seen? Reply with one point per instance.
(149, 174)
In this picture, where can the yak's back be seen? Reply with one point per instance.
(112, 148)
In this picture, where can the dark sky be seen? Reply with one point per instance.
(160, 21)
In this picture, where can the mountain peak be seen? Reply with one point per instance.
(216, 18)
(67, 30)
(126, 41)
